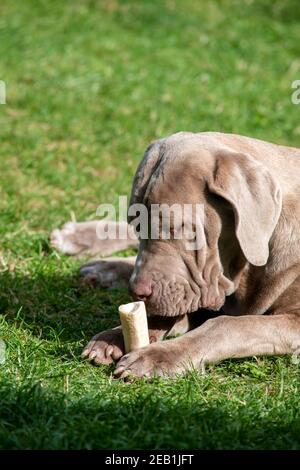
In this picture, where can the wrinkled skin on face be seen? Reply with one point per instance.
(186, 271)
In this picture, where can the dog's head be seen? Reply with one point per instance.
(223, 209)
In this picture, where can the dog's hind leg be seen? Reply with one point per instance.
(97, 237)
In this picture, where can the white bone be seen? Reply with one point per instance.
(134, 325)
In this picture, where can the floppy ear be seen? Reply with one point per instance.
(256, 200)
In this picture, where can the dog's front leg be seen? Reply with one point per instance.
(217, 339)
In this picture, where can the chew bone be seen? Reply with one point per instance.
(134, 325)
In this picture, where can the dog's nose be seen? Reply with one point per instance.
(140, 288)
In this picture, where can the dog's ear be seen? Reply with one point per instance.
(147, 166)
(255, 197)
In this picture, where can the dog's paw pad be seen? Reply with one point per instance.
(64, 241)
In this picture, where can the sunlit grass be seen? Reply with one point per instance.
(89, 85)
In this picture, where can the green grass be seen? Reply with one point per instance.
(89, 85)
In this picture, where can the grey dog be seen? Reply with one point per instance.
(247, 269)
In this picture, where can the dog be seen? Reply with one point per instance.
(247, 270)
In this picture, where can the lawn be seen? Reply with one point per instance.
(89, 84)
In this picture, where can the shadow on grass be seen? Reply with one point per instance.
(287, 12)
(50, 304)
(33, 418)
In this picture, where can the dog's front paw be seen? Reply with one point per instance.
(105, 347)
(157, 359)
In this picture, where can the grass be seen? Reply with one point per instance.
(89, 85)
